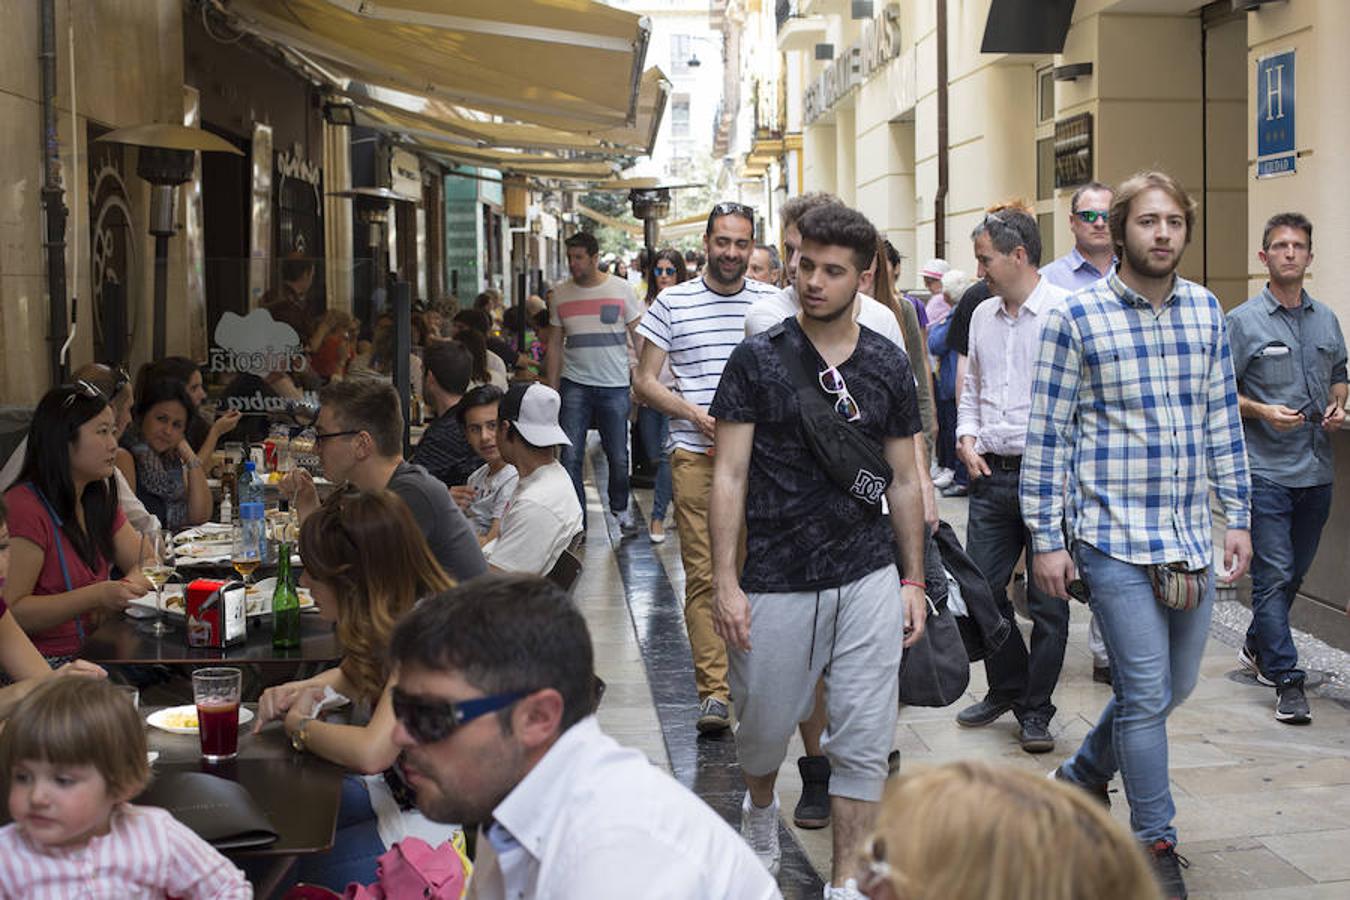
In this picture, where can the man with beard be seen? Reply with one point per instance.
(495, 718)
(1289, 357)
(1134, 416)
(695, 325)
(991, 431)
(590, 319)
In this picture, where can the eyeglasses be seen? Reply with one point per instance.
(1092, 215)
(728, 208)
(81, 388)
(844, 404)
(664, 270)
(325, 435)
(430, 721)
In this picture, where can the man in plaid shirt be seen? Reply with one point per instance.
(1134, 417)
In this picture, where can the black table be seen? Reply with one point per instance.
(122, 641)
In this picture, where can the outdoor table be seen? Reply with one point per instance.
(120, 641)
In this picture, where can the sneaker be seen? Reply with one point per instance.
(713, 715)
(657, 532)
(1035, 736)
(759, 827)
(1098, 792)
(1247, 658)
(848, 891)
(626, 524)
(813, 808)
(1291, 705)
(1101, 674)
(942, 478)
(1167, 866)
(955, 490)
(986, 712)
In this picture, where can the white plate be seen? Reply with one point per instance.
(161, 718)
(258, 601)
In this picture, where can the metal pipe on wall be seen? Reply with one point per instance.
(944, 147)
(53, 194)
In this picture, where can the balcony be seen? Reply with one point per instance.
(796, 31)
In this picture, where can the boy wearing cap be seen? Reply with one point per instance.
(543, 515)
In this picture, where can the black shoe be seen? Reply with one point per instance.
(813, 809)
(1101, 674)
(1291, 705)
(1247, 658)
(985, 712)
(1167, 866)
(1035, 735)
(1097, 792)
(893, 764)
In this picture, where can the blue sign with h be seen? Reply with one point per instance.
(1275, 149)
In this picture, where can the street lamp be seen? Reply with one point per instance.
(165, 160)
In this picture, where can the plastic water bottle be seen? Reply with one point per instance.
(250, 488)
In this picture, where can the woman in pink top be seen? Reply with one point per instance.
(66, 529)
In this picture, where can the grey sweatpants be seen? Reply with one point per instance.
(853, 635)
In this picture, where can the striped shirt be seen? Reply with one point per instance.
(595, 321)
(147, 853)
(1138, 410)
(698, 328)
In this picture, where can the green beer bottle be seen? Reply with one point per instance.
(285, 603)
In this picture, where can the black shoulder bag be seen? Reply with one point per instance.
(847, 456)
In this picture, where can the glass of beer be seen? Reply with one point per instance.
(157, 565)
(216, 693)
(246, 549)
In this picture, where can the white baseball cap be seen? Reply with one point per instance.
(935, 268)
(532, 409)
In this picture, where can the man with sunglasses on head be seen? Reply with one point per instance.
(359, 439)
(495, 708)
(820, 592)
(991, 430)
(1289, 359)
(694, 325)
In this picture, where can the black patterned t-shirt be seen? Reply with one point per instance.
(803, 532)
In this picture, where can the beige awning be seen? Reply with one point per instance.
(633, 228)
(564, 64)
(540, 165)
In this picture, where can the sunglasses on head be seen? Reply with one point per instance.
(430, 721)
(81, 388)
(1092, 215)
(728, 208)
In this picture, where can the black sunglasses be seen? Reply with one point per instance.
(727, 208)
(430, 721)
(81, 388)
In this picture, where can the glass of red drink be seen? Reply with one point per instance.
(216, 693)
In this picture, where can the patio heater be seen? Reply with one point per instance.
(165, 159)
(650, 205)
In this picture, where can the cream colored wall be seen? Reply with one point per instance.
(1225, 199)
(1319, 32)
(846, 153)
(818, 159)
(129, 70)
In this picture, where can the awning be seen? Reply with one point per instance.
(633, 228)
(540, 165)
(564, 64)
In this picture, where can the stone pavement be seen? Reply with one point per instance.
(1263, 808)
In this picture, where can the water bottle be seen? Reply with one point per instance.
(250, 488)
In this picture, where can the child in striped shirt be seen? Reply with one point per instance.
(72, 755)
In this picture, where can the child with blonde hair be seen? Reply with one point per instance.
(71, 756)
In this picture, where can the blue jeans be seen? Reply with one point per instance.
(609, 407)
(996, 535)
(1286, 527)
(655, 429)
(1155, 661)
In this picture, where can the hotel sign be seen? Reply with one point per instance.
(878, 45)
(1275, 148)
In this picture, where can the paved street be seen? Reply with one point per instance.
(1263, 808)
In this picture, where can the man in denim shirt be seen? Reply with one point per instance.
(1289, 357)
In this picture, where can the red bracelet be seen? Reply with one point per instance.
(917, 584)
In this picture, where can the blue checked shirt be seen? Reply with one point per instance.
(1136, 413)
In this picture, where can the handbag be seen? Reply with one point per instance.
(1177, 586)
(935, 671)
(847, 456)
(413, 868)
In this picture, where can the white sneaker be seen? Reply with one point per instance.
(848, 891)
(759, 827)
(943, 478)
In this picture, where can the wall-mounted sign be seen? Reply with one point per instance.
(1275, 148)
(1073, 151)
(878, 45)
(405, 173)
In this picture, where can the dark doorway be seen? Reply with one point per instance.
(225, 203)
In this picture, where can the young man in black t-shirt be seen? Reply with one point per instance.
(820, 591)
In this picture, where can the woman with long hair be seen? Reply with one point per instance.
(665, 270)
(203, 434)
(366, 564)
(161, 466)
(66, 528)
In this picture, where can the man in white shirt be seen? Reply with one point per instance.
(991, 432)
(543, 515)
(495, 719)
(489, 488)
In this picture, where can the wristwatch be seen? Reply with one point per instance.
(301, 735)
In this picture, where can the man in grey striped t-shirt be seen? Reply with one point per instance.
(696, 324)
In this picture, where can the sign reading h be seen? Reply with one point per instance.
(1275, 147)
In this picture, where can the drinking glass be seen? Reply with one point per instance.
(216, 693)
(157, 565)
(244, 552)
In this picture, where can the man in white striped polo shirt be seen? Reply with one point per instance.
(696, 324)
